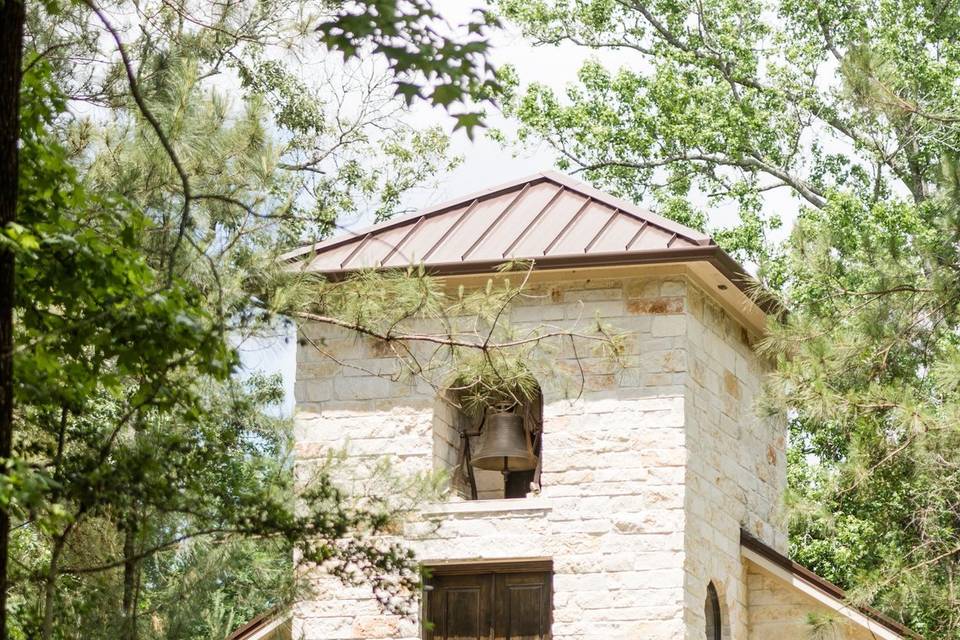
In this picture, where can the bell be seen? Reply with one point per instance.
(505, 445)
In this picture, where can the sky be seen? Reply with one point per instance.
(485, 162)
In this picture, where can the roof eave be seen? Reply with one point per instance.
(713, 254)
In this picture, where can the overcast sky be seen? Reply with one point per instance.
(485, 162)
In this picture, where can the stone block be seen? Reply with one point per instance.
(731, 384)
(642, 289)
(364, 388)
(655, 306)
(376, 627)
(591, 295)
(668, 325)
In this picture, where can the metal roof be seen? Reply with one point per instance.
(545, 217)
(273, 624)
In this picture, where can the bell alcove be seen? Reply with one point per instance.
(491, 456)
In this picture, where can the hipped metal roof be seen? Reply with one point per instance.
(549, 218)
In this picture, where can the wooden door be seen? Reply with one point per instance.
(488, 606)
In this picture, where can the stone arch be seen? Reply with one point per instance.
(716, 613)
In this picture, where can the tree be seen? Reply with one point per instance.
(851, 109)
(132, 439)
(868, 368)
(147, 240)
(729, 102)
(125, 296)
(11, 52)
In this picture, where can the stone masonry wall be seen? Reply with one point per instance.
(780, 611)
(623, 472)
(736, 470)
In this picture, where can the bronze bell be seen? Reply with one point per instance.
(505, 445)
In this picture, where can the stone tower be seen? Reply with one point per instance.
(648, 478)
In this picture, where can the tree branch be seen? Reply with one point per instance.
(157, 129)
(438, 339)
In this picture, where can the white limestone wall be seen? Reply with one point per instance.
(778, 610)
(736, 472)
(627, 465)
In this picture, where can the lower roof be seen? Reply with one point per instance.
(767, 554)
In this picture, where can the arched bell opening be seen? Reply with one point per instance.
(490, 450)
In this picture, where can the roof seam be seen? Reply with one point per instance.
(643, 227)
(533, 222)
(456, 223)
(603, 229)
(567, 227)
(359, 246)
(413, 228)
(663, 228)
(486, 233)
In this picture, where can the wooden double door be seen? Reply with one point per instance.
(489, 606)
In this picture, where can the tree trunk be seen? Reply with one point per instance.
(130, 581)
(50, 586)
(12, 16)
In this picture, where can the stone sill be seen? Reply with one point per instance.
(485, 507)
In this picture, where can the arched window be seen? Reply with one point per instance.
(711, 611)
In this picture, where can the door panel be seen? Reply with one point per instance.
(491, 606)
(459, 608)
(522, 608)
(462, 611)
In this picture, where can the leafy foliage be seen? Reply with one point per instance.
(152, 495)
(870, 367)
(133, 439)
(428, 64)
(851, 109)
(722, 102)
